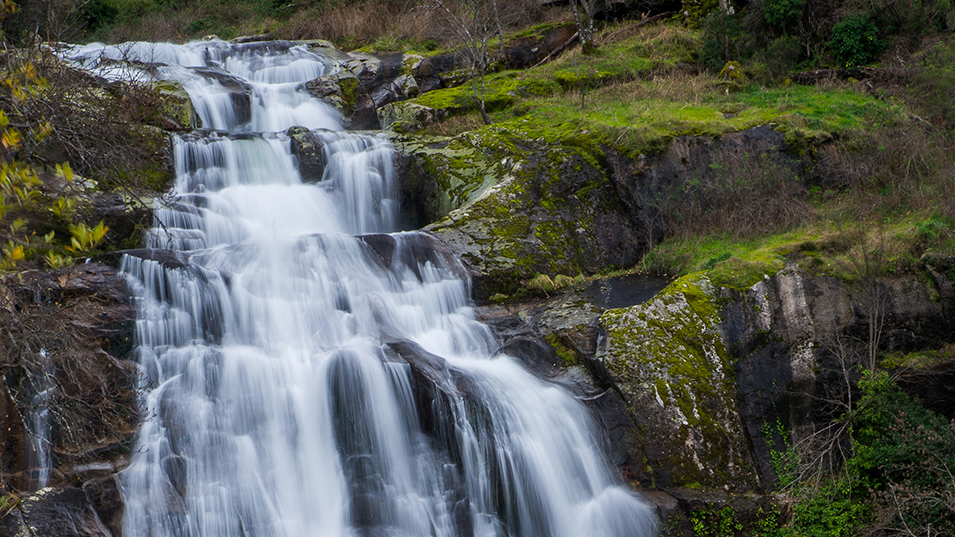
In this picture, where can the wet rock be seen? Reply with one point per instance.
(87, 321)
(173, 259)
(534, 354)
(177, 106)
(340, 89)
(107, 500)
(240, 92)
(412, 250)
(60, 512)
(308, 149)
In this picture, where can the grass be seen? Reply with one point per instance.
(635, 92)
(884, 192)
(832, 245)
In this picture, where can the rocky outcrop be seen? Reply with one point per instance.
(177, 106)
(513, 208)
(797, 338)
(61, 512)
(645, 183)
(69, 335)
(669, 360)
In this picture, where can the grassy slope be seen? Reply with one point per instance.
(640, 90)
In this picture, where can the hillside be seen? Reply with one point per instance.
(788, 168)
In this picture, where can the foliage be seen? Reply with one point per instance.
(723, 40)
(899, 478)
(782, 55)
(713, 523)
(855, 41)
(782, 14)
(934, 86)
(906, 455)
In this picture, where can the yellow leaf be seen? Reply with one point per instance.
(11, 138)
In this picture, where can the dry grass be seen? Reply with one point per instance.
(393, 23)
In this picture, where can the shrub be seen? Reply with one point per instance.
(100, 13)
(855, 41)
(906, 455)
(782, 55)
(782, 14)
(934, 86)
(723, 40)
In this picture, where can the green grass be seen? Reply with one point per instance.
(630, 93)
(833, 245)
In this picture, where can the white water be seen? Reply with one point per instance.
(38, 424)
(288, 382)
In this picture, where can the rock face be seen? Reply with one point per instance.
(514, 208)
(69, 331)
(60, 512)
(796, 338)
(644, 183)
(670, 362)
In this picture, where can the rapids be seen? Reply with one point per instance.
(298, 382)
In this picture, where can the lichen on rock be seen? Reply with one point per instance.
(669, 359)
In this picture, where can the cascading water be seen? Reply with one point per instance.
(302, 380)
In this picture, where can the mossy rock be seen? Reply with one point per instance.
(177, 106)
(403, 116)
(340, 89)
(669, 359)
(549, 210)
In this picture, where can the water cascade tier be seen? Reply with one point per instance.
(309, 371)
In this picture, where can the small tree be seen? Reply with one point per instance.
(584, 16)
(474, 23)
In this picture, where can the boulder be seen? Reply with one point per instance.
(339, 89)
(519, 208)
(408, 117)
(669, 359)
(308, 148)
(177, 106)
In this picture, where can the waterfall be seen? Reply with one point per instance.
(38, 423)
(309, 371)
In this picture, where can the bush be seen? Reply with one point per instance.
(100, 13)
(906, 455)
(855, 41)
(782, 55)
(934, 86)
(782, 14)
(723, 40)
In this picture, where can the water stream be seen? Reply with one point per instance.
(300, 380)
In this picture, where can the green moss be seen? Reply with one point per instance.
(566, 354)
(670, 350)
